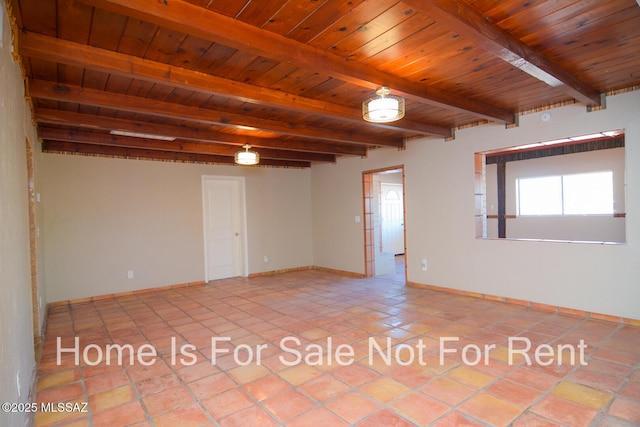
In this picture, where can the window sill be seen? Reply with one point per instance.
(588, 242)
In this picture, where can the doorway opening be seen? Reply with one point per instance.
(384, 223)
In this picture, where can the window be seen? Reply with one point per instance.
(392, 195)
(588, 193)
(577, 194)
(539, 196)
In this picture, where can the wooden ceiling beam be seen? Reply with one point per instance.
(68, 118)
(86, 96)
(462, 18)
(83, 56)
(84, 137)
(137, 153)
(179, 15)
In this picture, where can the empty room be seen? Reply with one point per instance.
(304, 213)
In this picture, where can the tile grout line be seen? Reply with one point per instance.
(311, 297)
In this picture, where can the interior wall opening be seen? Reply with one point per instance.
(571, 190)
(384, 224)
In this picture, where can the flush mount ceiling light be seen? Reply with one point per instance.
(383, 107)
(247, 157)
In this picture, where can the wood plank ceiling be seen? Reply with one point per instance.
(289, 76)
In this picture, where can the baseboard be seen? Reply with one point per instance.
(281, 271)
(123, 294)
(531, 304)
(340, 272)
(198, 283)
(311, 267)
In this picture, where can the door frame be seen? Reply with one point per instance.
(33, 247)
(243, 221)
(367, 207)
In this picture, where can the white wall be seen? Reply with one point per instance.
(439, 191)
(338, 240)
(16, 320)
(105, 217)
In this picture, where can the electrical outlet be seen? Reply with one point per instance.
(266, 258)
(129, 274)
(423, 264)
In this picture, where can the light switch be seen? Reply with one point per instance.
(357, 218)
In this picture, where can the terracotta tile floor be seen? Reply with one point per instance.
(341, 374)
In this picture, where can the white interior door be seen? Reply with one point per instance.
(392, 218)
(224, 230)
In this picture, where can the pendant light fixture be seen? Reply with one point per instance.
(247, 157)
(383, 107)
